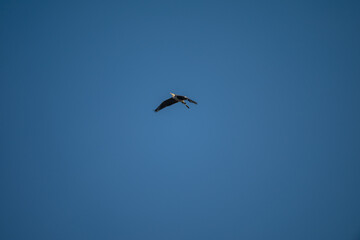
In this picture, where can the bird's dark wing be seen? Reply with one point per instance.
(192, 101)
(166, 103)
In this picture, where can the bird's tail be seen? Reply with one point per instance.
(192, 101)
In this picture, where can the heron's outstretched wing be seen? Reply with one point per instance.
(165, 103)
(192, 101)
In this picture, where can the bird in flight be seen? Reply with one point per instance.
(174, 99)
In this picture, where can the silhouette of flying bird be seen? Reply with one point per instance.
(174, 99)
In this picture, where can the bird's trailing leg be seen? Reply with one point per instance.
(185, 104)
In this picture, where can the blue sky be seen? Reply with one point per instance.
(272, 150)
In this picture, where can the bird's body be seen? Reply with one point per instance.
(174, 99)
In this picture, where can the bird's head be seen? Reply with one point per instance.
(172, 94)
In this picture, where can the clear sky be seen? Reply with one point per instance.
(272, 150)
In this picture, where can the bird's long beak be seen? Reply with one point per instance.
(172, 94)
